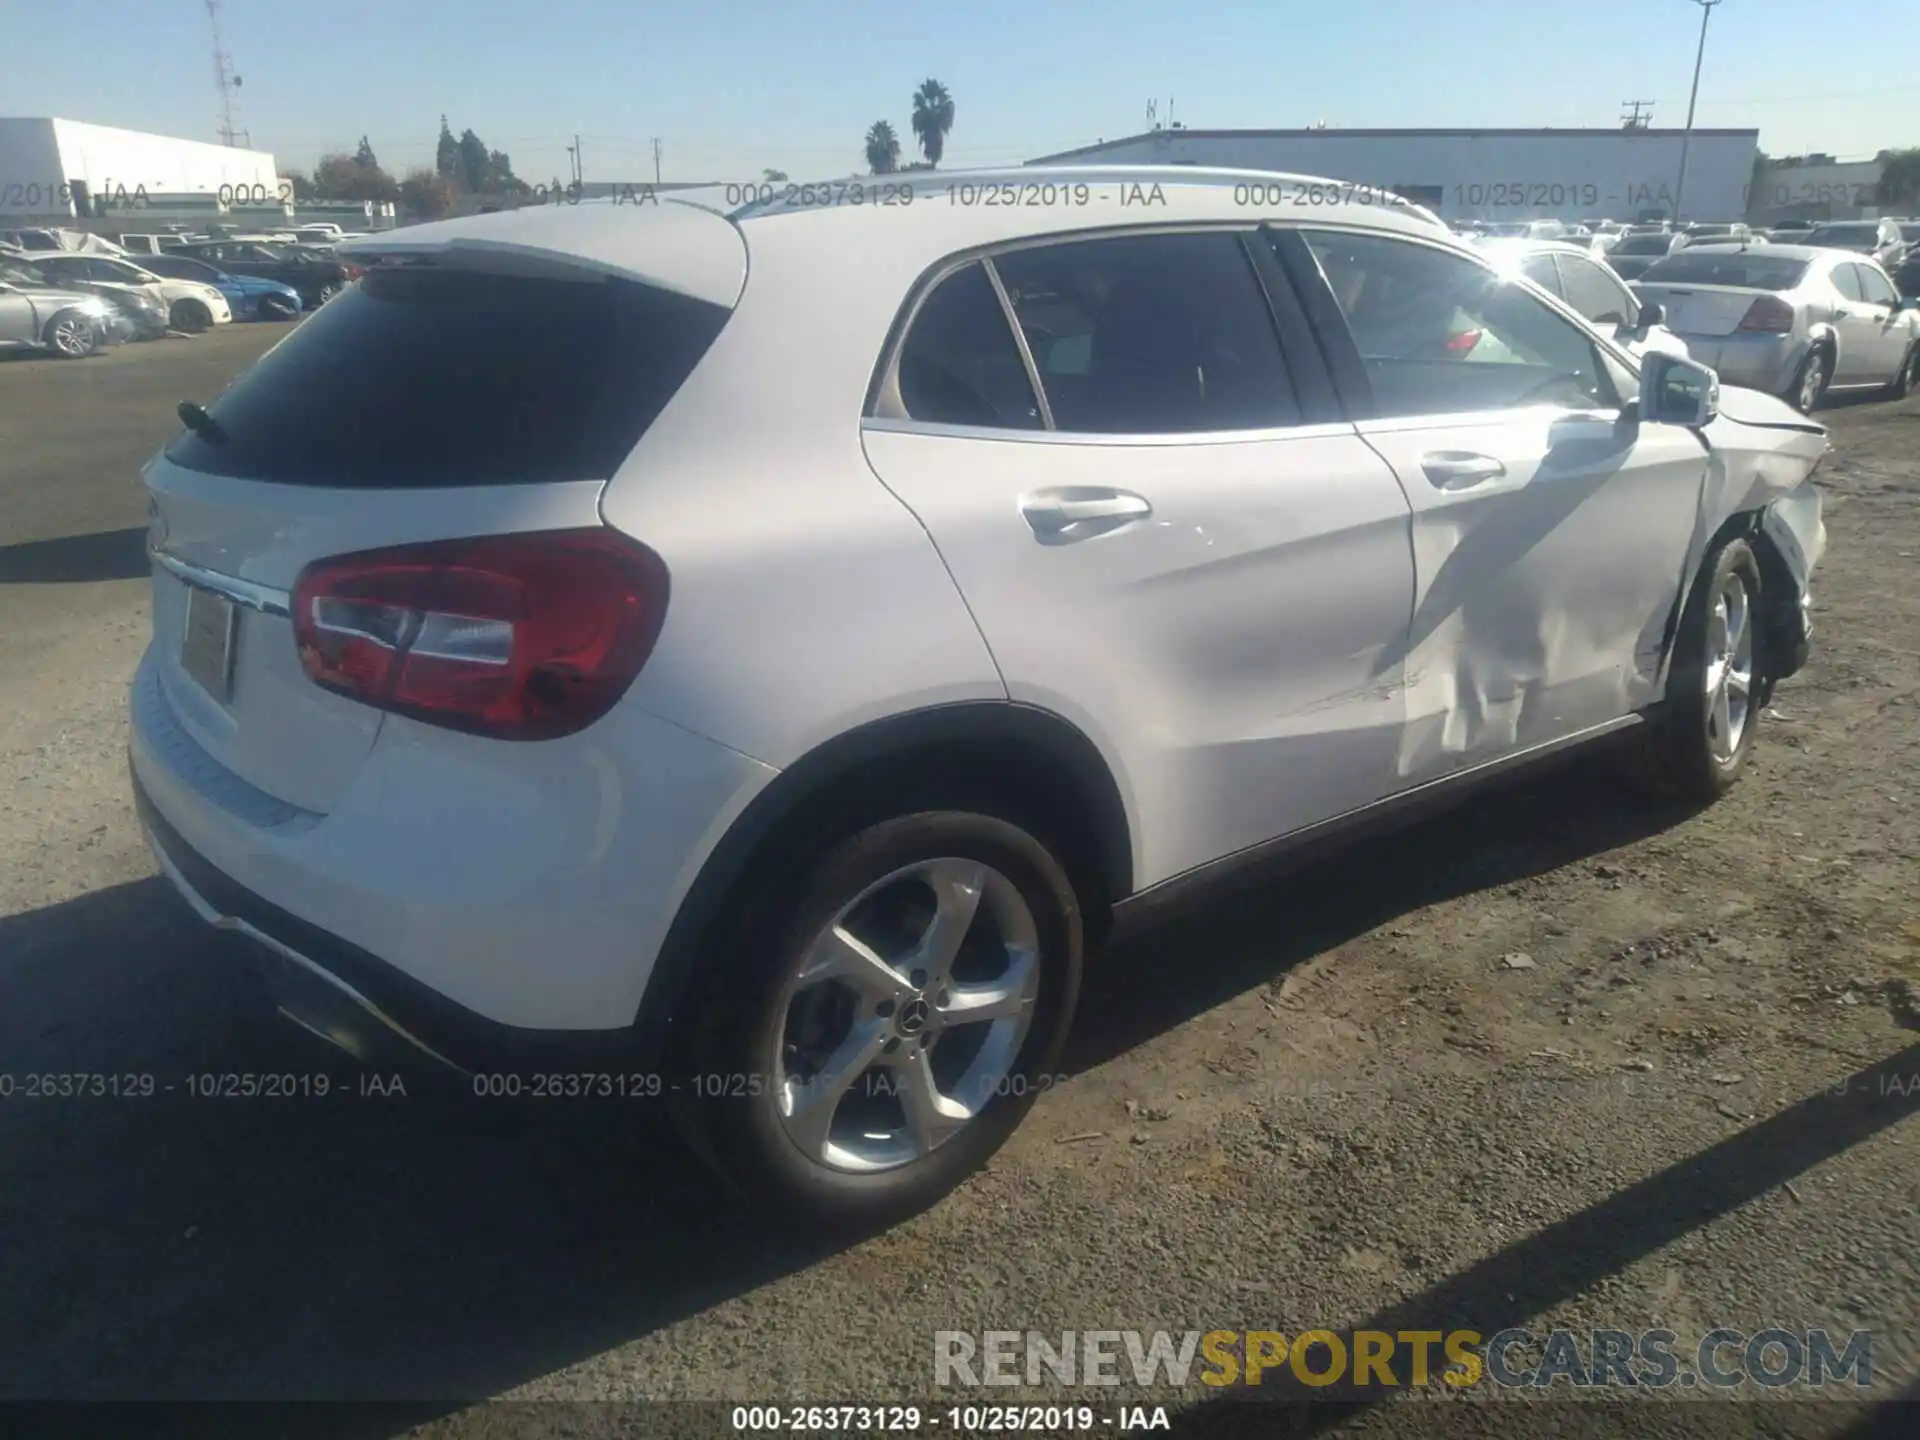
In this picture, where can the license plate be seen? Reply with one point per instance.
(207, 646)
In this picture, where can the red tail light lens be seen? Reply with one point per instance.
(1769, 315)
(1462, 343)
(354, 272)
(518, 637)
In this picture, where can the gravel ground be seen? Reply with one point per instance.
(1554, 1060)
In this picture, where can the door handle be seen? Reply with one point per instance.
(1459, 470)
(1081, 512)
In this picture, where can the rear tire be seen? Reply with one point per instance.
(1907, 379)
(1809, 386)
(72, 335)
(1697, 747)
(190, 317)
(853, 1101)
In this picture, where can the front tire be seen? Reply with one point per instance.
(1698, 747)
(890, 1018)
(72, 335)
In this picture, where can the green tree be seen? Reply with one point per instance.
(883, 149)
(932, 119)
(426, 195)
(446, 155)
(297, 181)
(364, 155)
(343, 177)
(473, 163)
(500, 176)
(1899, 187)
(773, 177)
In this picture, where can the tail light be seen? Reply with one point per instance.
(1462, 343)
(1769, 315)
(354, 272)
(518, 637)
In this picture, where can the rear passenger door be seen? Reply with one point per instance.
(1891, 336)
(1166, 535)
(1858, 328)
(1549, 536)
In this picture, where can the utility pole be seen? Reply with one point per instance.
(656, 161)
(1686, 136)
(579, 164)
(229, 83)
(1639, 114)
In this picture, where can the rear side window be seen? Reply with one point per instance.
(1874, 287)
(425, 379)
(1146, 334)
(1539, 269)
(960, 364)
(1846, 279)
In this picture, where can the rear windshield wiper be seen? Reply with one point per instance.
(196, 419)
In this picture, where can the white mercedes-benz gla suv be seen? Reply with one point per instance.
(751, 657)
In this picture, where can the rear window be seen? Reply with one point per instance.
(425, 379)
(1845, 235)
(1643, 245)
(1749, 270)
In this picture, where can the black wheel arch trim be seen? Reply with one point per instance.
(1783, 634)
(914, 737)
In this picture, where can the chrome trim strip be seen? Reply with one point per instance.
(263, 598)
(235, 925)
(1092, 437)
(1020, 339)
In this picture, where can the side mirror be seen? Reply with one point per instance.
(1674, 391)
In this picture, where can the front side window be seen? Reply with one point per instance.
(960, 364)
(1441, 334)
(1596, 294)
(1150, 334)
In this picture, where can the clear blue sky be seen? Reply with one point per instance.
(731, 86)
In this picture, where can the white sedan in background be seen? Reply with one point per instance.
(1585, 282)
(191, 306)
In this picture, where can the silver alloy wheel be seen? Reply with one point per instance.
(1813, 379)
(72, 335)
(905, 1018)
(1729, 678)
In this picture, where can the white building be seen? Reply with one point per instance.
(45, 164)
(1478, 174)
(1818, 187)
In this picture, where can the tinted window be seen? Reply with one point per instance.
(417, 378)
(1846, 281)
(1747, 269)
(1846, 237)
(179, 267)
(960, 364)
(1150, 334)
(1540, 269)
(1440, 334)
(1874, 287)
(1643, 245)
(1595, 293)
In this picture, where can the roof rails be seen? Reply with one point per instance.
(784, 197)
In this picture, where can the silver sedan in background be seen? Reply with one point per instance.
(1793, 320)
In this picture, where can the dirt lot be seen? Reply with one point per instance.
(1337, 1101)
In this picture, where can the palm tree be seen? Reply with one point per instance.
(883, 149)
(932, 119)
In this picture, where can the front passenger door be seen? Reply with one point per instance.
(1549, 536)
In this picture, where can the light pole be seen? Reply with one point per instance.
(1686, 136)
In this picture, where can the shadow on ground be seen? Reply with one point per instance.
(76, 559)
(437, 1248)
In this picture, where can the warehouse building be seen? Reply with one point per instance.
(1618, 174)
(53, 170)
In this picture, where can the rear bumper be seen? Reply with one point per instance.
(494, 901)
(1759, 362)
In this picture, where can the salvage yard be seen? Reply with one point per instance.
(1558, 1059)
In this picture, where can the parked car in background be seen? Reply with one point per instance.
(1794, 230)
(1793, 320)
(36, 311)
(249, 296)
(1572, 273)
(136, 297)
(191, 305)
(1880, 239)
(535, 722)
(317, 278)
(1524, 229)
(1714, 232)
(1906, 277)
(1638, 249)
